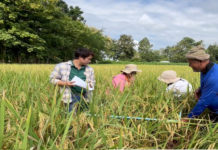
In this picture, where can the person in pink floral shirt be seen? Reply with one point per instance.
(126, 77)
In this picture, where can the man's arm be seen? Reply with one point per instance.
(199, 108)
(207, 95)
(55, 78)
(65, 83)
(91, 78)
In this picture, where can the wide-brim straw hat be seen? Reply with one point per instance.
(198, 53)
(130, 68)
(168, 76)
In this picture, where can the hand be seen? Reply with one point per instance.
(185, 119)
(197, 94)
(70, 83)
(107, 91)
(132, 79)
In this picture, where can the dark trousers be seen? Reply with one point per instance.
(76, 99)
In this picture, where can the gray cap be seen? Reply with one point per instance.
(197, 52)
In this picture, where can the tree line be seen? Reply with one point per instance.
(123, 49)
(44, 31)
(49, 31)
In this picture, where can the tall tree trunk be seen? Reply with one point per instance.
(19, 59)
(36, 60)
(47, 60)
(3, 53)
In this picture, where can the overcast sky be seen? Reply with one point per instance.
(164, 22)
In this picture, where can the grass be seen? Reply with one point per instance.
(33, 116)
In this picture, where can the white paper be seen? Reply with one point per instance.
(79, 82)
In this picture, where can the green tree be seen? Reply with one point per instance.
(111, 48)
(39, 31)
(76, 14)
(156, 55)
(93, 39)
(145, 50)
(64, 7)
(166, 53)
(124, 48)
(177, 53)
(17, 33)
(213, 51)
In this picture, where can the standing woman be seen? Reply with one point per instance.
(126, 78)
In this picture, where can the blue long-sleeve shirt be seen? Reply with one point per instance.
(209, 93)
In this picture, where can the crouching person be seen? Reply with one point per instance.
(207, 94)
(175, 84)
(126, 78)
(64, 72)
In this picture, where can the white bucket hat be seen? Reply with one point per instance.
(130, 68)
(168, 76)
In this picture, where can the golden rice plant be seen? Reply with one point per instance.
(32, 115)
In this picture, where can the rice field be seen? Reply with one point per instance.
(32, 115)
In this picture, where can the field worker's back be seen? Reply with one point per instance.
(180, 87)
(119, 81)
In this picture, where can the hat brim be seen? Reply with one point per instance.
(168, 81)
(204, 57)
(129, 71)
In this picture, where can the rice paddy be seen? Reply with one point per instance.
(32, 115)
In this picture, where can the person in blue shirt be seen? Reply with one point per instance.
(207, 94)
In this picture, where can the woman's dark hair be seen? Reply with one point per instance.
(83, 52)
(132, 73)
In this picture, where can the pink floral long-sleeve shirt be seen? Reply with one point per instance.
(120, 81)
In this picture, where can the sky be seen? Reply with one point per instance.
(163, 22)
